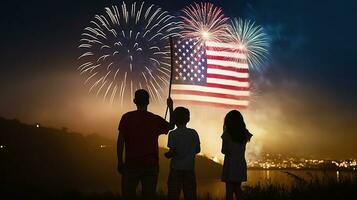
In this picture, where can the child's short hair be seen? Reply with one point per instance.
(181, 116)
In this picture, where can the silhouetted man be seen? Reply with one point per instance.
(138, 132)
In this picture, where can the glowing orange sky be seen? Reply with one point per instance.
(287, 119)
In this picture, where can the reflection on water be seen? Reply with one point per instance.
(216, 188)
(337, 176)
(267, 174)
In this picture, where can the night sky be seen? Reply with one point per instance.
(306, 95)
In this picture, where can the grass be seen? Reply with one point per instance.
(326, 189)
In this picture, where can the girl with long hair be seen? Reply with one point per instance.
(234, 139)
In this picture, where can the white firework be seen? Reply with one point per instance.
(203, 21)
(127, 48)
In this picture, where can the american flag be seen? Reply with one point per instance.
(209, 73)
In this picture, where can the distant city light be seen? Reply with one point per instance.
(103, 146)
(2, 146)
(271, 161)
(37, 125)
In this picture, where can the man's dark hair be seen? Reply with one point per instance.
(181, 116)
(141, 97)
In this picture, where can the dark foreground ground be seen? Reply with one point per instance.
(302, 191)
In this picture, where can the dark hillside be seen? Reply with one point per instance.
(53, 159)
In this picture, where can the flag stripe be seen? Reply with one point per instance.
(228, 82)
(221, 95)
(237, 60)
(209, 89)
(227, 63)
(227, 73)
(210, 104)
(210, 99)
(215, 85)
(226, 54)
(223, 49)
(229, 68)
(227, 77)
(222, 45)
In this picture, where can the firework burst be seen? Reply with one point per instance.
(252, 39)
(127, 48)
(203, 21)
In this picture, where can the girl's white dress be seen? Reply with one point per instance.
(235, 165)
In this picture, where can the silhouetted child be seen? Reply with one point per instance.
(234, 139)
(184, 144)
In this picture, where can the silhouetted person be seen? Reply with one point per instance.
(234, 139)
(138, 133)
(184, 144)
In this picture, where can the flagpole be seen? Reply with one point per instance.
(172, 64)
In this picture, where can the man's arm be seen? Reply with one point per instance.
(198, 149)
(170, 105)
(198, 144)
(120, 150)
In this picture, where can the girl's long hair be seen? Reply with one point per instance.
(235, 126)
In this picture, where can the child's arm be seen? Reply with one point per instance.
(225, 144)
(171, 145)
(171, 153)
(225, 149)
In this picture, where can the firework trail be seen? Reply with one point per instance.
(127, 48)
(203, 21)
(252, 39)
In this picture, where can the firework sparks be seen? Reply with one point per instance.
(127, 48)
(252, 39)
(203, 21)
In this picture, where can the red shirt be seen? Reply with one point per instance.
(141, 130)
